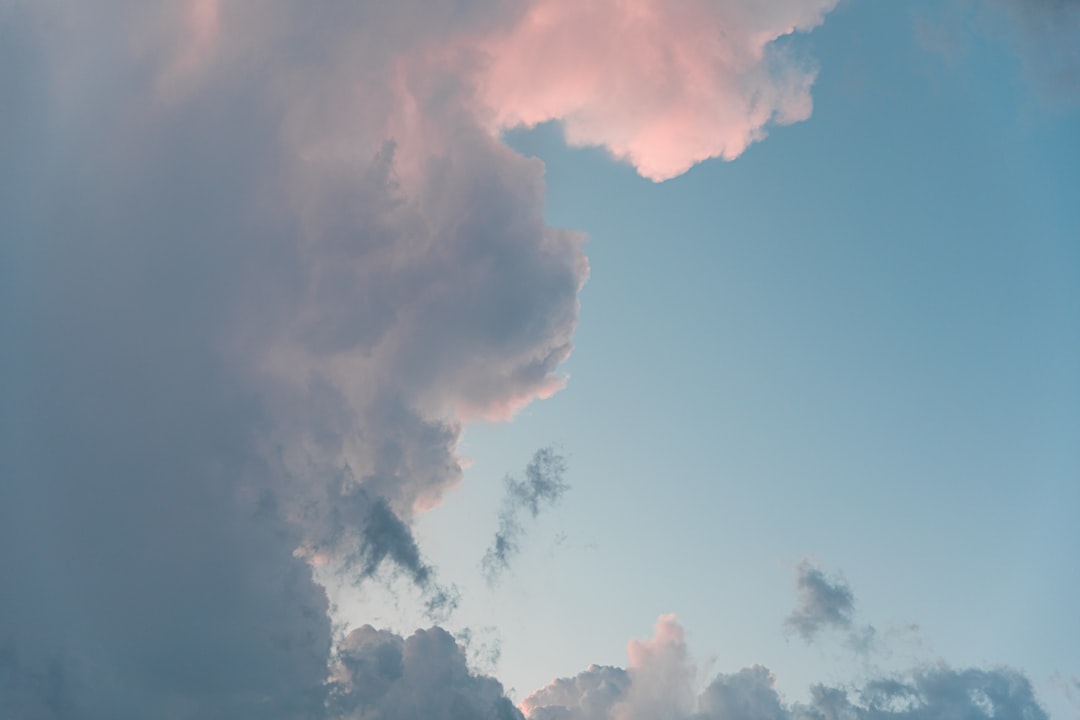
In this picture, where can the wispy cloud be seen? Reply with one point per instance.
(542, 487)
(826, 603)
(1043, 35)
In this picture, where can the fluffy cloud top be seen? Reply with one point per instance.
(381, 676)
(662, 85)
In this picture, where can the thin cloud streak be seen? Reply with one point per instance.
(542, 487)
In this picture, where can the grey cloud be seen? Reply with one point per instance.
(543, 486)
(240, 320)
(927, 693)
(824, 602)
(253, 281)
(422, 677)
(385, 536)
(932, 693)
(134, 558)
(748, 693)
(589, 695)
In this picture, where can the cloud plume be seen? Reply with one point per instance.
(542, 486)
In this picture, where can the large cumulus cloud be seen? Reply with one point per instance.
(246, 308)
(422, 677)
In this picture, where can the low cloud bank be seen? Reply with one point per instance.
(542, 487)
(660, 681)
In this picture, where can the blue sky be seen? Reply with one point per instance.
(288, 292)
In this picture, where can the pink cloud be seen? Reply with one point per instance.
(658, 682)
(662, 85)
(661, 674)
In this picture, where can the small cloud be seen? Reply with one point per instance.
(827, 603)
(824, 602)
(542, 487)
(386, 537)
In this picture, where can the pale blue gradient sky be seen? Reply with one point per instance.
(860, 341)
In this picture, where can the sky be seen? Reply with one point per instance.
(545, 359)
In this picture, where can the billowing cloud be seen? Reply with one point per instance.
(589, 695)
(541, 487)
(259, 264)
(379, 675)
(660, 682)
(662, 85)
